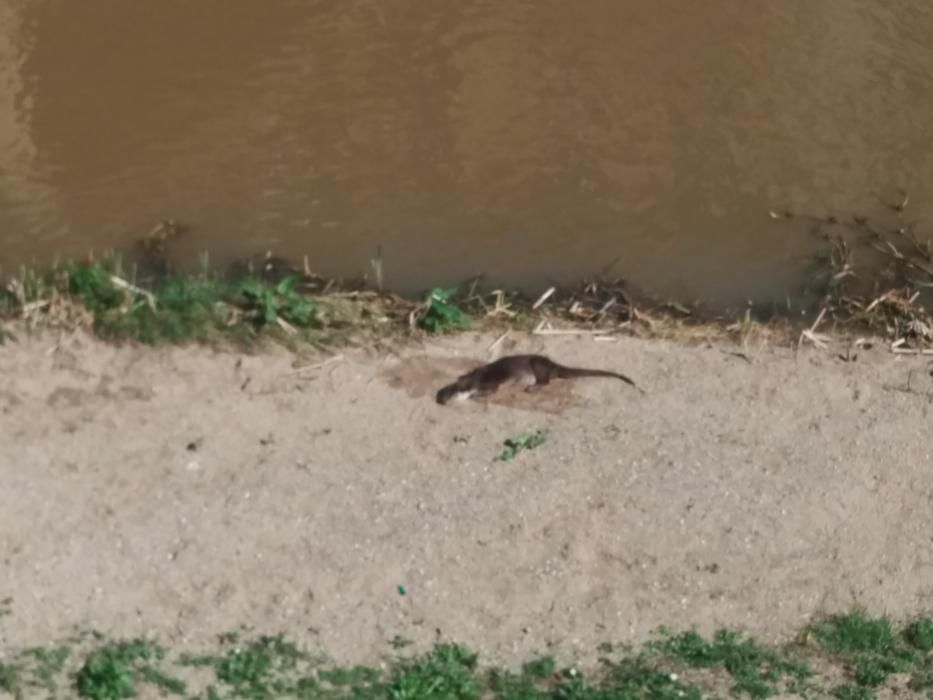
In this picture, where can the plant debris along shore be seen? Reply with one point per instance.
(886, 294)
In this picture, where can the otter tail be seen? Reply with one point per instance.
(573, 372)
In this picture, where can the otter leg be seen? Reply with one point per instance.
(542, 374)
(542, 378)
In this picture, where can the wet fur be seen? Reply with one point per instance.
(535, 370)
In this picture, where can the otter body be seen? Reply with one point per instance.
(534, 370)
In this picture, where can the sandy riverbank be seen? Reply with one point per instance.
(186, 491)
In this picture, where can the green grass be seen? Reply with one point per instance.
(112, 671)
(847, 691)
(263, 668)
(174, 309)
(203, 306)
(519, 443)
(756, 670)
(441, 314)
(268, 667)
(681, 666)
(872, 650)
(32, 670)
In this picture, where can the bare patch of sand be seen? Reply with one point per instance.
(186, 491)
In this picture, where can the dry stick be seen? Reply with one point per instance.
(740, 355)
(317, 365)
(818, 339)
(605, 307)
(912, 351)
(31, 306)
(286, 326)
(123, 284)
(543, 298)
(497, 342)
(567, 331)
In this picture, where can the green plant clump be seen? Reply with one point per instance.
(754, 668)
(872, 649)
(441, 314)
(111, 671)
(182, 308)
(519, 443)
(267, 304)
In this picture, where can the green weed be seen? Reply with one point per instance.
(349, 677)
(873, 650)
(755, 669)
(179, 309)
(175, 309)
(635, 678)
(258, 670)
(920, 634)
(518, 443)
(9, 678)
(267, 668)
(446, 673)
(854, 632)
(41, 667)
(92, 284)
(266, 304)
(111, 671)
(540, 668)
(441, 314)
(852, 692)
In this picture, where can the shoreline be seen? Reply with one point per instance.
(292, 306)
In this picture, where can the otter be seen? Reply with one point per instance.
(534, 370)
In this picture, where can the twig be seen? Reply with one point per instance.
(123, 284)
(31, 306)
(501, 307)
(317, 365)
(543, 298)
(912, 351)
(818, 339)
(740, 355)
(286, 326)
(497, 342)
(605, 307)
(567, 331)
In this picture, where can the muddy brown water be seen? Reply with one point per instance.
(532, 140)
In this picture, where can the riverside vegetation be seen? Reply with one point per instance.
(848, 657)
(867, 277)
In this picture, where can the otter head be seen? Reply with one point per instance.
(460, 389)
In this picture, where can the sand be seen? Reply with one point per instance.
(182, 492)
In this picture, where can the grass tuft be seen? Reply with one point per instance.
(257, 670)
(873, 650)
(447, 672)
(111, 671)
(519, 443)
(754, 668)
(441, 314)
(684, 666)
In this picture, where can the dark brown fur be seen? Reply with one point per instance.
(487, 379)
